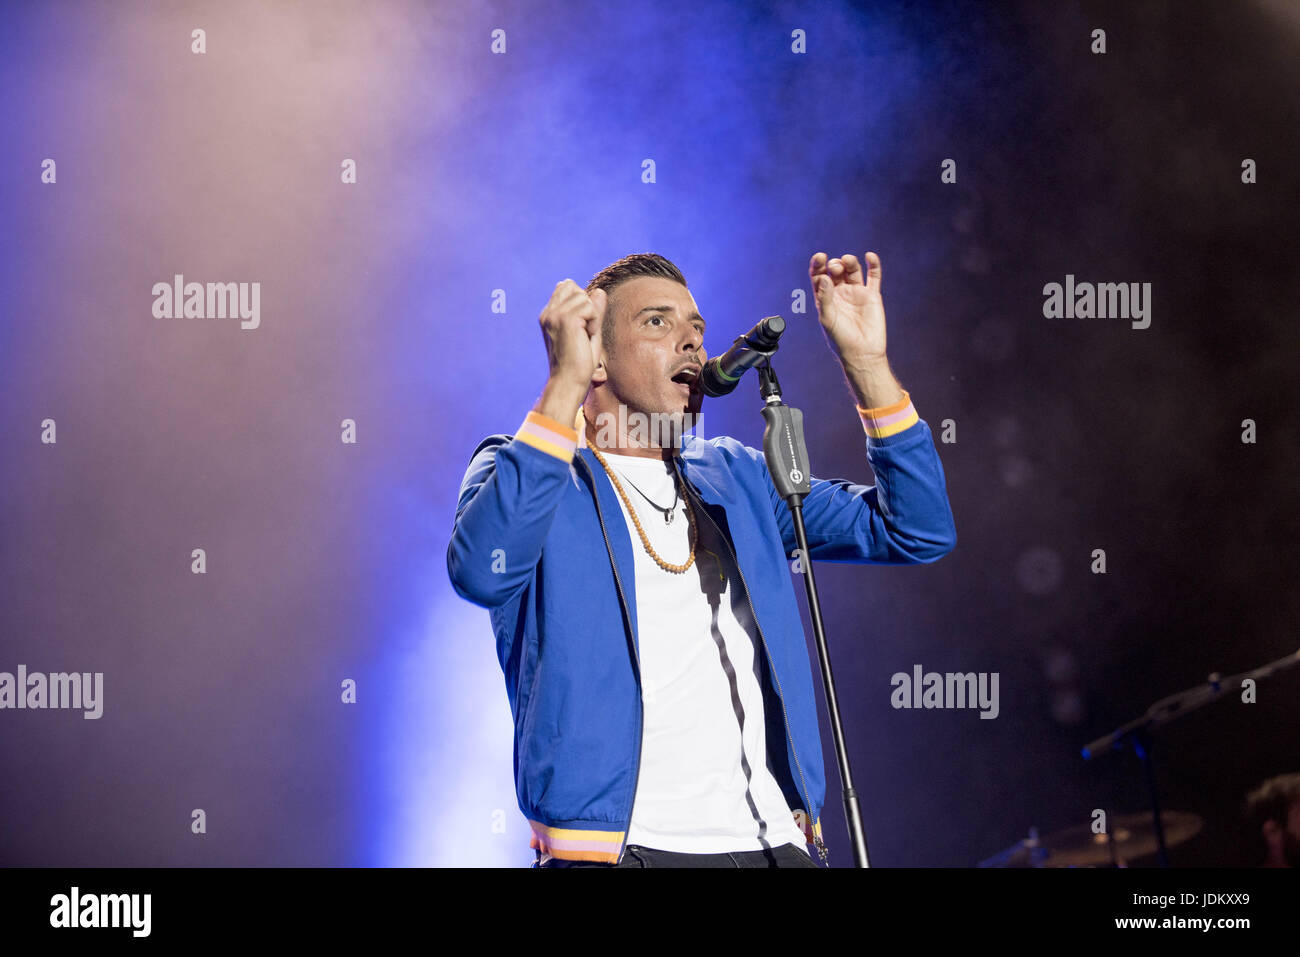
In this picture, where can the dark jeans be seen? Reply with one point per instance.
(787, 855)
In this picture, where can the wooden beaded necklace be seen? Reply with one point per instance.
(690, 516)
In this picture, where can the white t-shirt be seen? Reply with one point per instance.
(704, 785)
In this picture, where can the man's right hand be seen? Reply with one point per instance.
(571, 328)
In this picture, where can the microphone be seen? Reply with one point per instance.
(722, 375)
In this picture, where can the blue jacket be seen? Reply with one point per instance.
(540, 541)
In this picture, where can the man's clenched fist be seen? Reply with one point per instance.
(570, 324)
(571, 329)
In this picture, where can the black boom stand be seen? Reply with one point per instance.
(1137, 733)
(787, 460)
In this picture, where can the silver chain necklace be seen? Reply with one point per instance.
(669, 513)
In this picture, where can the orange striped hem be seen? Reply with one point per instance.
(573, 844)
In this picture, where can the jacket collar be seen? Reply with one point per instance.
(697, 461)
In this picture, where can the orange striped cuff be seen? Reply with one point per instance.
(886, 420)
(572, 844)
(549, 436)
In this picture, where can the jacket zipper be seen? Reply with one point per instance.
(817, 840)
(640, 704)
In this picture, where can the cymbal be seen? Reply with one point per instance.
(1130, 835)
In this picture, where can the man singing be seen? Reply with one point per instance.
(639, 585)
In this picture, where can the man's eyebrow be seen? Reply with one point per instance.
(694, 315)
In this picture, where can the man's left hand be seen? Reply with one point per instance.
(849, 307)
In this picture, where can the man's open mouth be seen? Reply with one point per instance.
(688, 376)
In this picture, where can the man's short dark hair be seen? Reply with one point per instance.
(1272, 801)
(630, 267)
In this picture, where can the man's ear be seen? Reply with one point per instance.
(599, 375)
(1271, 832)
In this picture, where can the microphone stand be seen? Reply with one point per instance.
(787, 461)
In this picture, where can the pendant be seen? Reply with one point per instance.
(669, 515)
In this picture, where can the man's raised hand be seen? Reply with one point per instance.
(849, 306)
(571, 324)
(571, 330)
